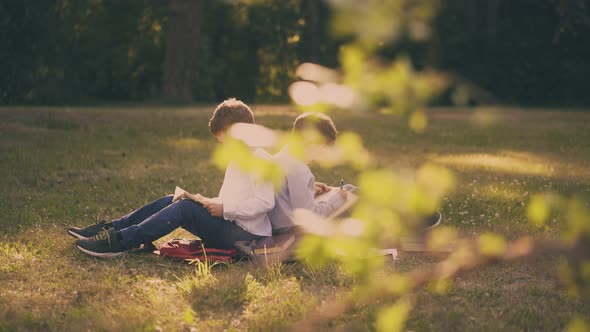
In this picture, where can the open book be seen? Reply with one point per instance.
(181, 193)
(350, 200)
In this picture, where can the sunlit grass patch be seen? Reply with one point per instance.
(271, 306)
(521, 163)
(117, 159)
(210, 294)
(185, 143)
(17, 257)
(255, 297)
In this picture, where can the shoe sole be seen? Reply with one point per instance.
(76, 235)
(438, 220)
(100, 254)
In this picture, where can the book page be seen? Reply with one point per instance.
(178, 193)
(350, 200)
(181, 193)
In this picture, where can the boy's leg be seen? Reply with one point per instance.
(142, 213)
(132, 218)
(111, 243)
(214, 231)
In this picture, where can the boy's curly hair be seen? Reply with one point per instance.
(318, 121)
(227, 113)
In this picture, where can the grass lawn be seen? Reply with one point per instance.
(74, 166)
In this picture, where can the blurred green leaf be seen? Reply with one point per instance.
(229, 151)
(294, 144)
(400, 284)
(578, 324)
(351, 146)
(567, 274)
(418, 121)
(538, 210)
(441, 238)
(578, 220)
(312, 249)
(440, 286)
(392, 318)
(491, 244)
(585, 271)
(380, 187)
(237, 152)
(189, 316)
(437, 180)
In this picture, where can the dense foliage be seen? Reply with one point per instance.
(60, 51)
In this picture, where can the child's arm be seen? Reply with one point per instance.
(302, 196)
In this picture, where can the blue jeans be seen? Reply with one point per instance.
(161, 217)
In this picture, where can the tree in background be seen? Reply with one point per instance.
(182, 41)
(312, 33)
(530, 52)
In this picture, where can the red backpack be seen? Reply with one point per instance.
(191, 249)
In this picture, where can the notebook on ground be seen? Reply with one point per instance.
(350, 200)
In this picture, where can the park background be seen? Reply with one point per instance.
(528, 52)
(105, 107)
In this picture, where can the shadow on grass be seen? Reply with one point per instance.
(71, 167)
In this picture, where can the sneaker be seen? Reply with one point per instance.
(88, 231)
(432, 221)
(106, 244)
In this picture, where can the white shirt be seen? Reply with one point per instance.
(246, 200)
(297, 192)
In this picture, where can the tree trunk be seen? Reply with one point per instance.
(311, 11)
(434, 49)
(492, 26)
(182, 39)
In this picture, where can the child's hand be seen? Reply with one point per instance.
(214, 206)
(320, 188)
(343, 193)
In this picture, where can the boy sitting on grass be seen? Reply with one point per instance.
(239, 213)
(299, 189)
